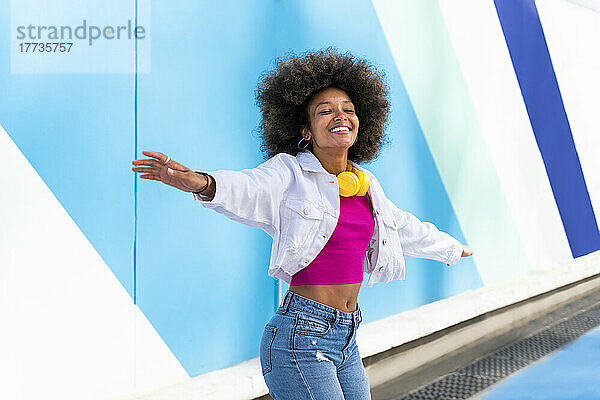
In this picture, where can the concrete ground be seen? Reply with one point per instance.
(561, 372)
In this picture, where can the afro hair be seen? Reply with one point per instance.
(283, 95)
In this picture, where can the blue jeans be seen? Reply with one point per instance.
(308, 351)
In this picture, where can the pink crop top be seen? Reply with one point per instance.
(341, 260)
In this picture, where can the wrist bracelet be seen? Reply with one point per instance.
(205, 186)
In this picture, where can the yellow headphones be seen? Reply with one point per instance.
(353, 182)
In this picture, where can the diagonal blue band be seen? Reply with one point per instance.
(539, 87)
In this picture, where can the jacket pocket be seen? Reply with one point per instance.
(301, 219)
(391, 248)
(389, 231)
(266, 343)
(389, 219)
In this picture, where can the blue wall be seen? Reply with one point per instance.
(200, 278)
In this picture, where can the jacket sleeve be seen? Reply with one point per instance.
(251, 196)
(423, 239)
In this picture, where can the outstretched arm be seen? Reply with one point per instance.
(251, 196)
(424, 240)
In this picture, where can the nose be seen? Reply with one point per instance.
(341, 116)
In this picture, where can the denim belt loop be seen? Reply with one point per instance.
(286, 302)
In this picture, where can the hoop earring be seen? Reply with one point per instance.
(307, 143)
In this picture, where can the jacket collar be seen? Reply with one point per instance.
(309, 162)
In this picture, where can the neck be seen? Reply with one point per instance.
(334, 162)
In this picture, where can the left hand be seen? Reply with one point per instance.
(467, 251)
(157, 169)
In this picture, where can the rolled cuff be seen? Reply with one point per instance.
(454, 253)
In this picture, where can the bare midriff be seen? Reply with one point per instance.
(342, 297)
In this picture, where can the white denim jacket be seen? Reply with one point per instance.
(296, 202)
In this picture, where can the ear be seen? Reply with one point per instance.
(305, 132)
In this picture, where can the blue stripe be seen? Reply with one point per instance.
(539, 87)
(135, 149)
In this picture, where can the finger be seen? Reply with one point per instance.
(160, 165)
(174, 165)
(177, 166)
(146, 170)
(154, 154)
(163, 159)
(150, 176)
(149, 162)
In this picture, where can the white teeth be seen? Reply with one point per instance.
(340, 128)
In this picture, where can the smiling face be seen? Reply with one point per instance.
(333, 121)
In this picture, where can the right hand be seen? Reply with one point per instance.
(181, 177)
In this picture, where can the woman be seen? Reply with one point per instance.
(322, 115)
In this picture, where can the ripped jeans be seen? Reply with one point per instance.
(308, 351)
